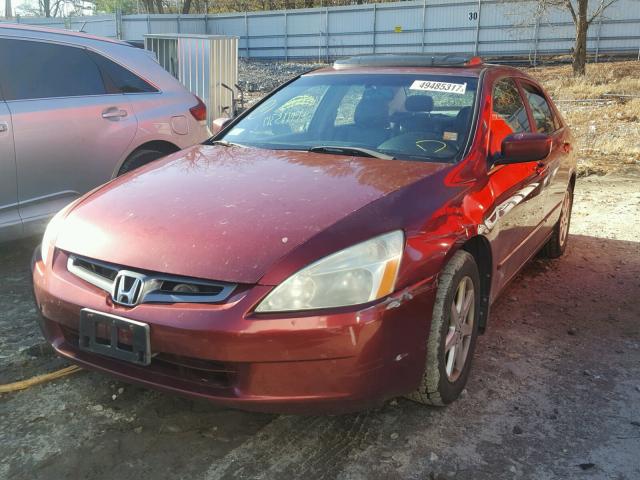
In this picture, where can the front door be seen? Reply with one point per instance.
(69, 134)
(518, 189)
(10, 224)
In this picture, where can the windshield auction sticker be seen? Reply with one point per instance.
(444, 87)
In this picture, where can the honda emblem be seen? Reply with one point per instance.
(127, 288)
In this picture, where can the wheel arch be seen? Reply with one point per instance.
(480, 249)
(160, 145)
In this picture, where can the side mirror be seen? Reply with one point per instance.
(218, 124)
(524, 147)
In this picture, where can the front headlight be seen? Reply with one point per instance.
(358, 274)
(49, 237)
(52, 230)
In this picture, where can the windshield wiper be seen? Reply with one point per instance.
(225, 143)
(358, 151)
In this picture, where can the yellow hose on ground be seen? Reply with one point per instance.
(22, 384)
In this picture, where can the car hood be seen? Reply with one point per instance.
(226, 213)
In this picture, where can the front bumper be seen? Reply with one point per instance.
(332, 362)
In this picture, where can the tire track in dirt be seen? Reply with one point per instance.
(299, 447)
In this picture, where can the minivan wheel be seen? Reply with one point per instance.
(453, 334)
(139, 158)
(557, 244)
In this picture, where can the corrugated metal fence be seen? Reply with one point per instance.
(484, 27)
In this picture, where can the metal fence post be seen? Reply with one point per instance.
(206, 24)
(424, 22)
(536, 35)
(478, 27)
(178, 22)
(326, 23)
(598, 37)
(119, 24)
(246, 34)
(286, 39)
(375, 14)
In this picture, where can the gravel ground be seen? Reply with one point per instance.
(554, 392)
(256, 76)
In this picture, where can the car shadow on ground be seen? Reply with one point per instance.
(562, 349)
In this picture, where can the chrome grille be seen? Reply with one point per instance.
(155, 288)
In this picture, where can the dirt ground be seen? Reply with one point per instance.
(554, 392)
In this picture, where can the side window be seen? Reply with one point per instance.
(508, 115)
(118, 79)
(295, 115)
(46, 70)
(540, 110)
(347, 106)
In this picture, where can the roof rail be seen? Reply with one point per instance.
(408, 60)
(58, 31)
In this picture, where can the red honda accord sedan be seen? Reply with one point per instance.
(336, 245)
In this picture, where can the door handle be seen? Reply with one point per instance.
(114, 112)
(566, 147)
(4, 126)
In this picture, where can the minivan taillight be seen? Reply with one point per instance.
(199, 111)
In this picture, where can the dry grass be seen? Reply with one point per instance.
(607, 129)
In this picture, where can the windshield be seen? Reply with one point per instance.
(413, 117)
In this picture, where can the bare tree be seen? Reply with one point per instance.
(7, 9)
(51, 8)
(582, 17)
(44, 8)
(148, 5)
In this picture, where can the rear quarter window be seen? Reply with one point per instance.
(118, 79)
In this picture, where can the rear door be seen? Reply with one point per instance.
(555, 178)
(517, 189)
(10, 224)
(69, 134)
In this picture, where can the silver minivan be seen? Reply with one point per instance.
(77, 111)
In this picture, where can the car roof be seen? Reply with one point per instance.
(56, 31)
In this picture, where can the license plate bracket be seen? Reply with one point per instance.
(137, 350)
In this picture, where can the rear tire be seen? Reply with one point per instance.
(454, 332)
(557, 244)
(139, 158)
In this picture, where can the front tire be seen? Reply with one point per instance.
(557, 244)
(454, 332)
(139, 158)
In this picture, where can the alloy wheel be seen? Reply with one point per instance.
(460, 331)
(564, 218)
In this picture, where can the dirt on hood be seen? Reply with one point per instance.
(226, 213)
